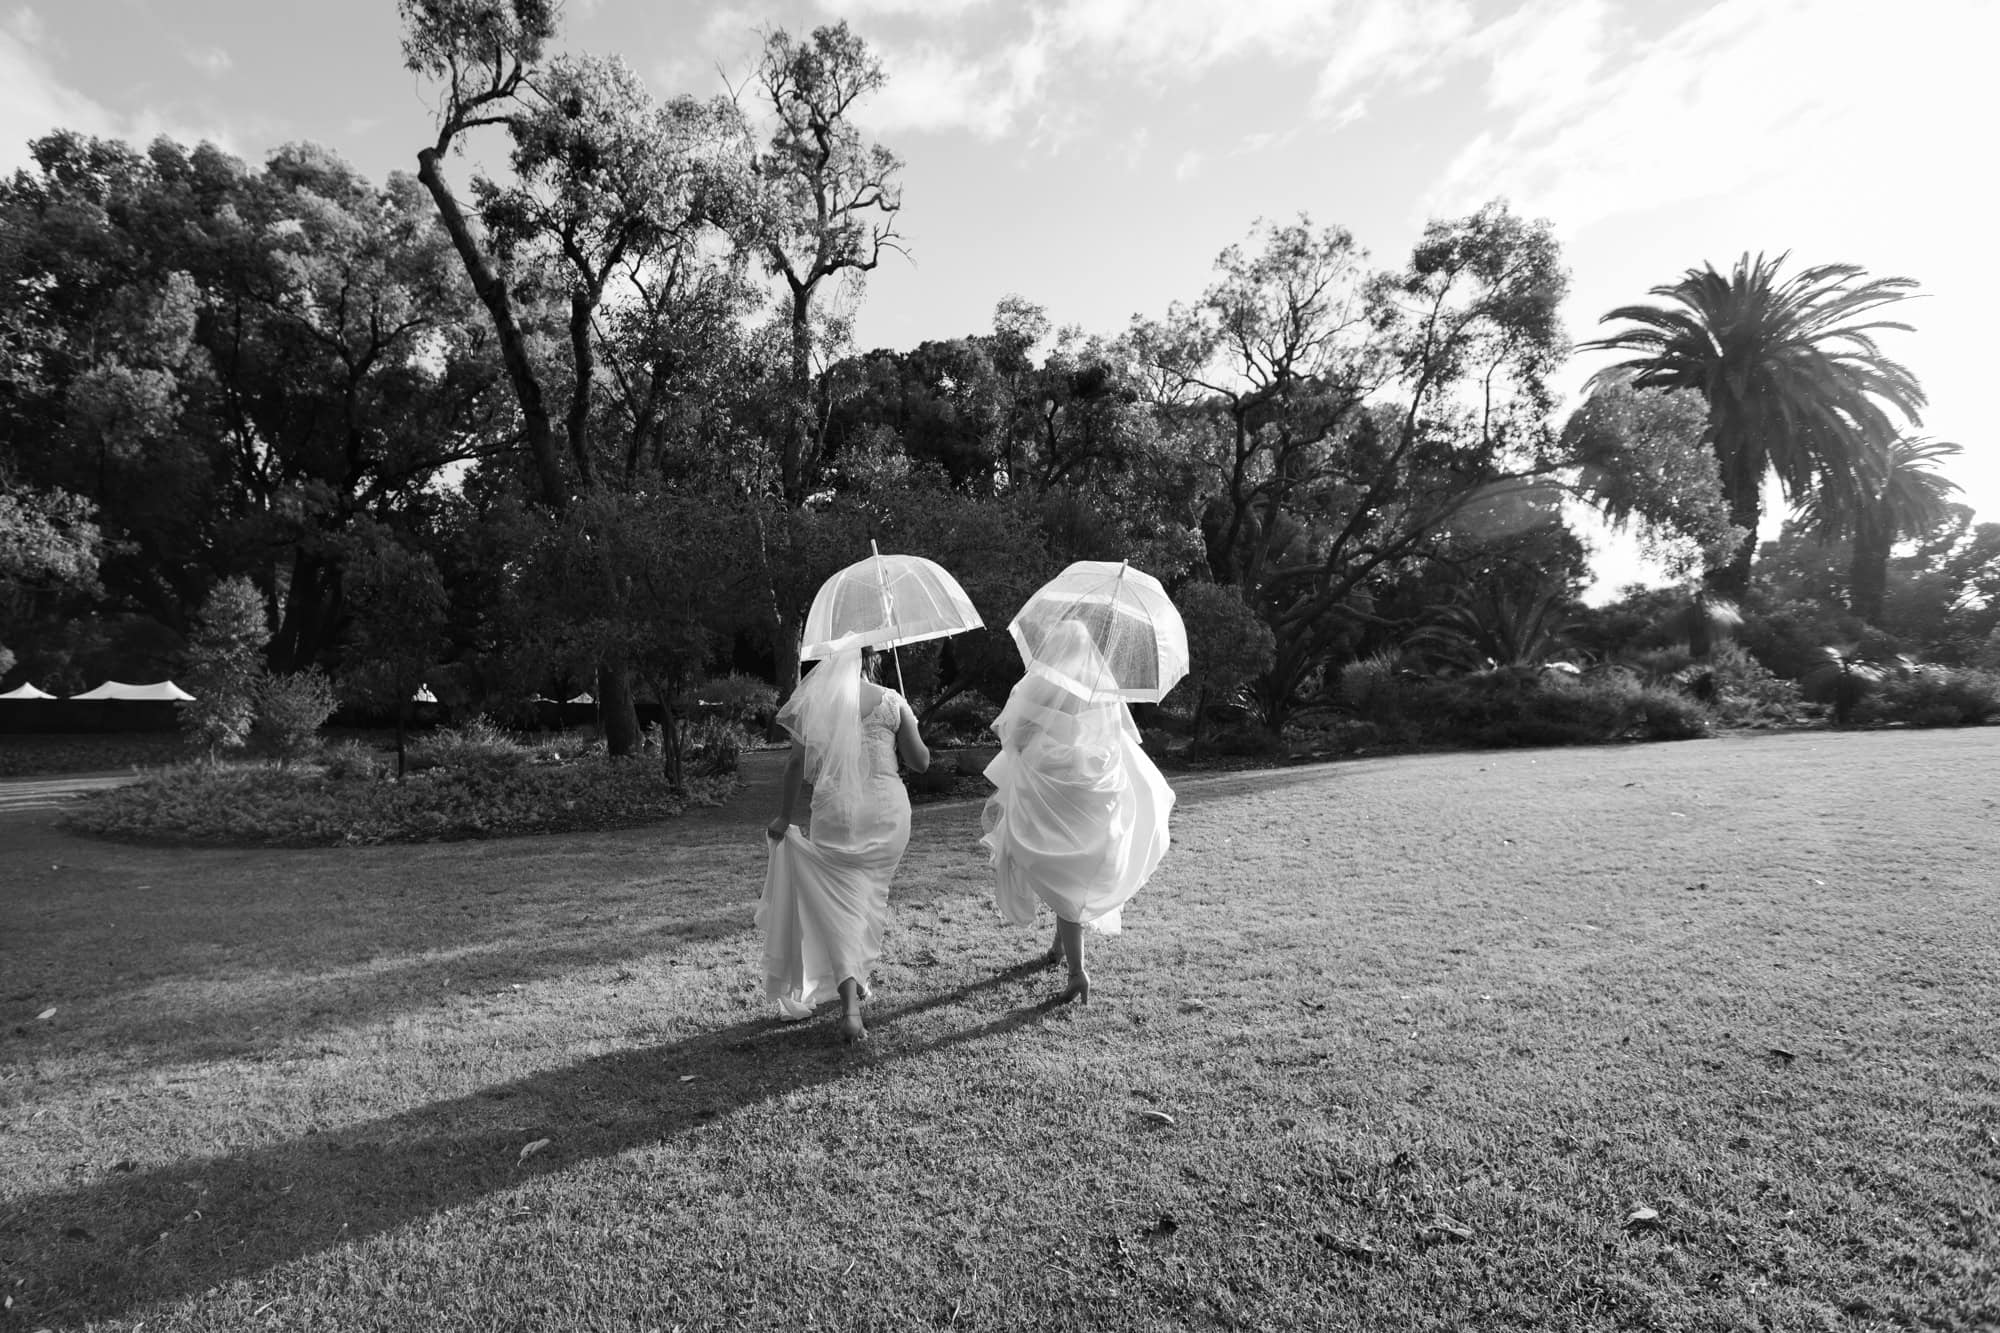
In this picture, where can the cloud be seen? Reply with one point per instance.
(922, 9)
(1189, 165)
(34, 101)
(933, 88)
(212, 61)
(1769, 96)
(1406, 44)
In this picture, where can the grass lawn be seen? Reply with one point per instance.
(1388, 1044)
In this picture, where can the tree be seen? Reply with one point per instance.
(1351, 424)
(396, 611)
(1907, 499)
(608, 214)
(1227, 645)
(1795, 381)
(225, 667)
(828, 205)
(49, 546)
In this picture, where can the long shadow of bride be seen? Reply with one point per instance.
(161, 1234)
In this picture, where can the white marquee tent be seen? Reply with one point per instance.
(162, 690)
(26, 691)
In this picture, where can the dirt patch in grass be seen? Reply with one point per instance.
(1687, 1036)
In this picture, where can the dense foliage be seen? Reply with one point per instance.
(594, 426)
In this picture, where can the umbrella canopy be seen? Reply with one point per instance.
(26, 691)
(1131, 619)
(886, 601)
(160, 690)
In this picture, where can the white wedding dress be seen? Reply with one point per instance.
(826, 896)
(1078, 819)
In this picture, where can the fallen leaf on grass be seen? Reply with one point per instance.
(1156, 1117)
(689, 1078)
(1782, 1053)
(1359, 1250)
(529, 1150)
(1192, 1006)
(1443, 1229)
(1643, 1219)
(47, 1013)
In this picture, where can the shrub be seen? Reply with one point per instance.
(223, 667)
(1368, 684)
(1747, 692)
(714, 747)
(741, 699)
(291, 709)
(1934, 697)
(1521, 706)
(265, 805)
(1668, 715)
(1249, 740)
(351, 761)
(478, 745)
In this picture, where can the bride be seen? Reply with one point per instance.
(826, 894)
(1079, 817)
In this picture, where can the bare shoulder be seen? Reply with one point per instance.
(872, 696)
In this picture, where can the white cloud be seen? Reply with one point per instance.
(1822, 95)
(1387, 43)
(1190, 164)
(212, 61)
(933, 88)
(33, 101)
(869, 9)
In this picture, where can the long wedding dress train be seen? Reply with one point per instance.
(1078, 819)
(826, 894)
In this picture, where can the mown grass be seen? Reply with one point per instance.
(1427, 1032)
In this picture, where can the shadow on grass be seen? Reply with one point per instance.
(140, 1235)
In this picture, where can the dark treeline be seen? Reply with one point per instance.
(596, 423)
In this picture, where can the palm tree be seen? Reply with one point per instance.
(1907, 500)
(1794, 380)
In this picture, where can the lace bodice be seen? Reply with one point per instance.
(878, 734)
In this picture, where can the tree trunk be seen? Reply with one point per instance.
(492, 289)
(1700, 630)
(798, 432)
(673, 758)
(312, 605)
(1731, 580)
(1868, 572)
(615, 709)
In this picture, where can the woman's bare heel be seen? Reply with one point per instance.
(1069, 939)
(852, 1029)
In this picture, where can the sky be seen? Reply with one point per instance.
(1095, 156)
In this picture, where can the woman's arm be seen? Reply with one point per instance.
(910, 742)
(788, 798)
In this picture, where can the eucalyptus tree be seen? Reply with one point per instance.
(1352, 422)
(826, 209)
(1796, 383)
(611, 230)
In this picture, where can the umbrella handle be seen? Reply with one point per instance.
(897, 658)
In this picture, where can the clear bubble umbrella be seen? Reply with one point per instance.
(1137, 630)
(886, 601)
